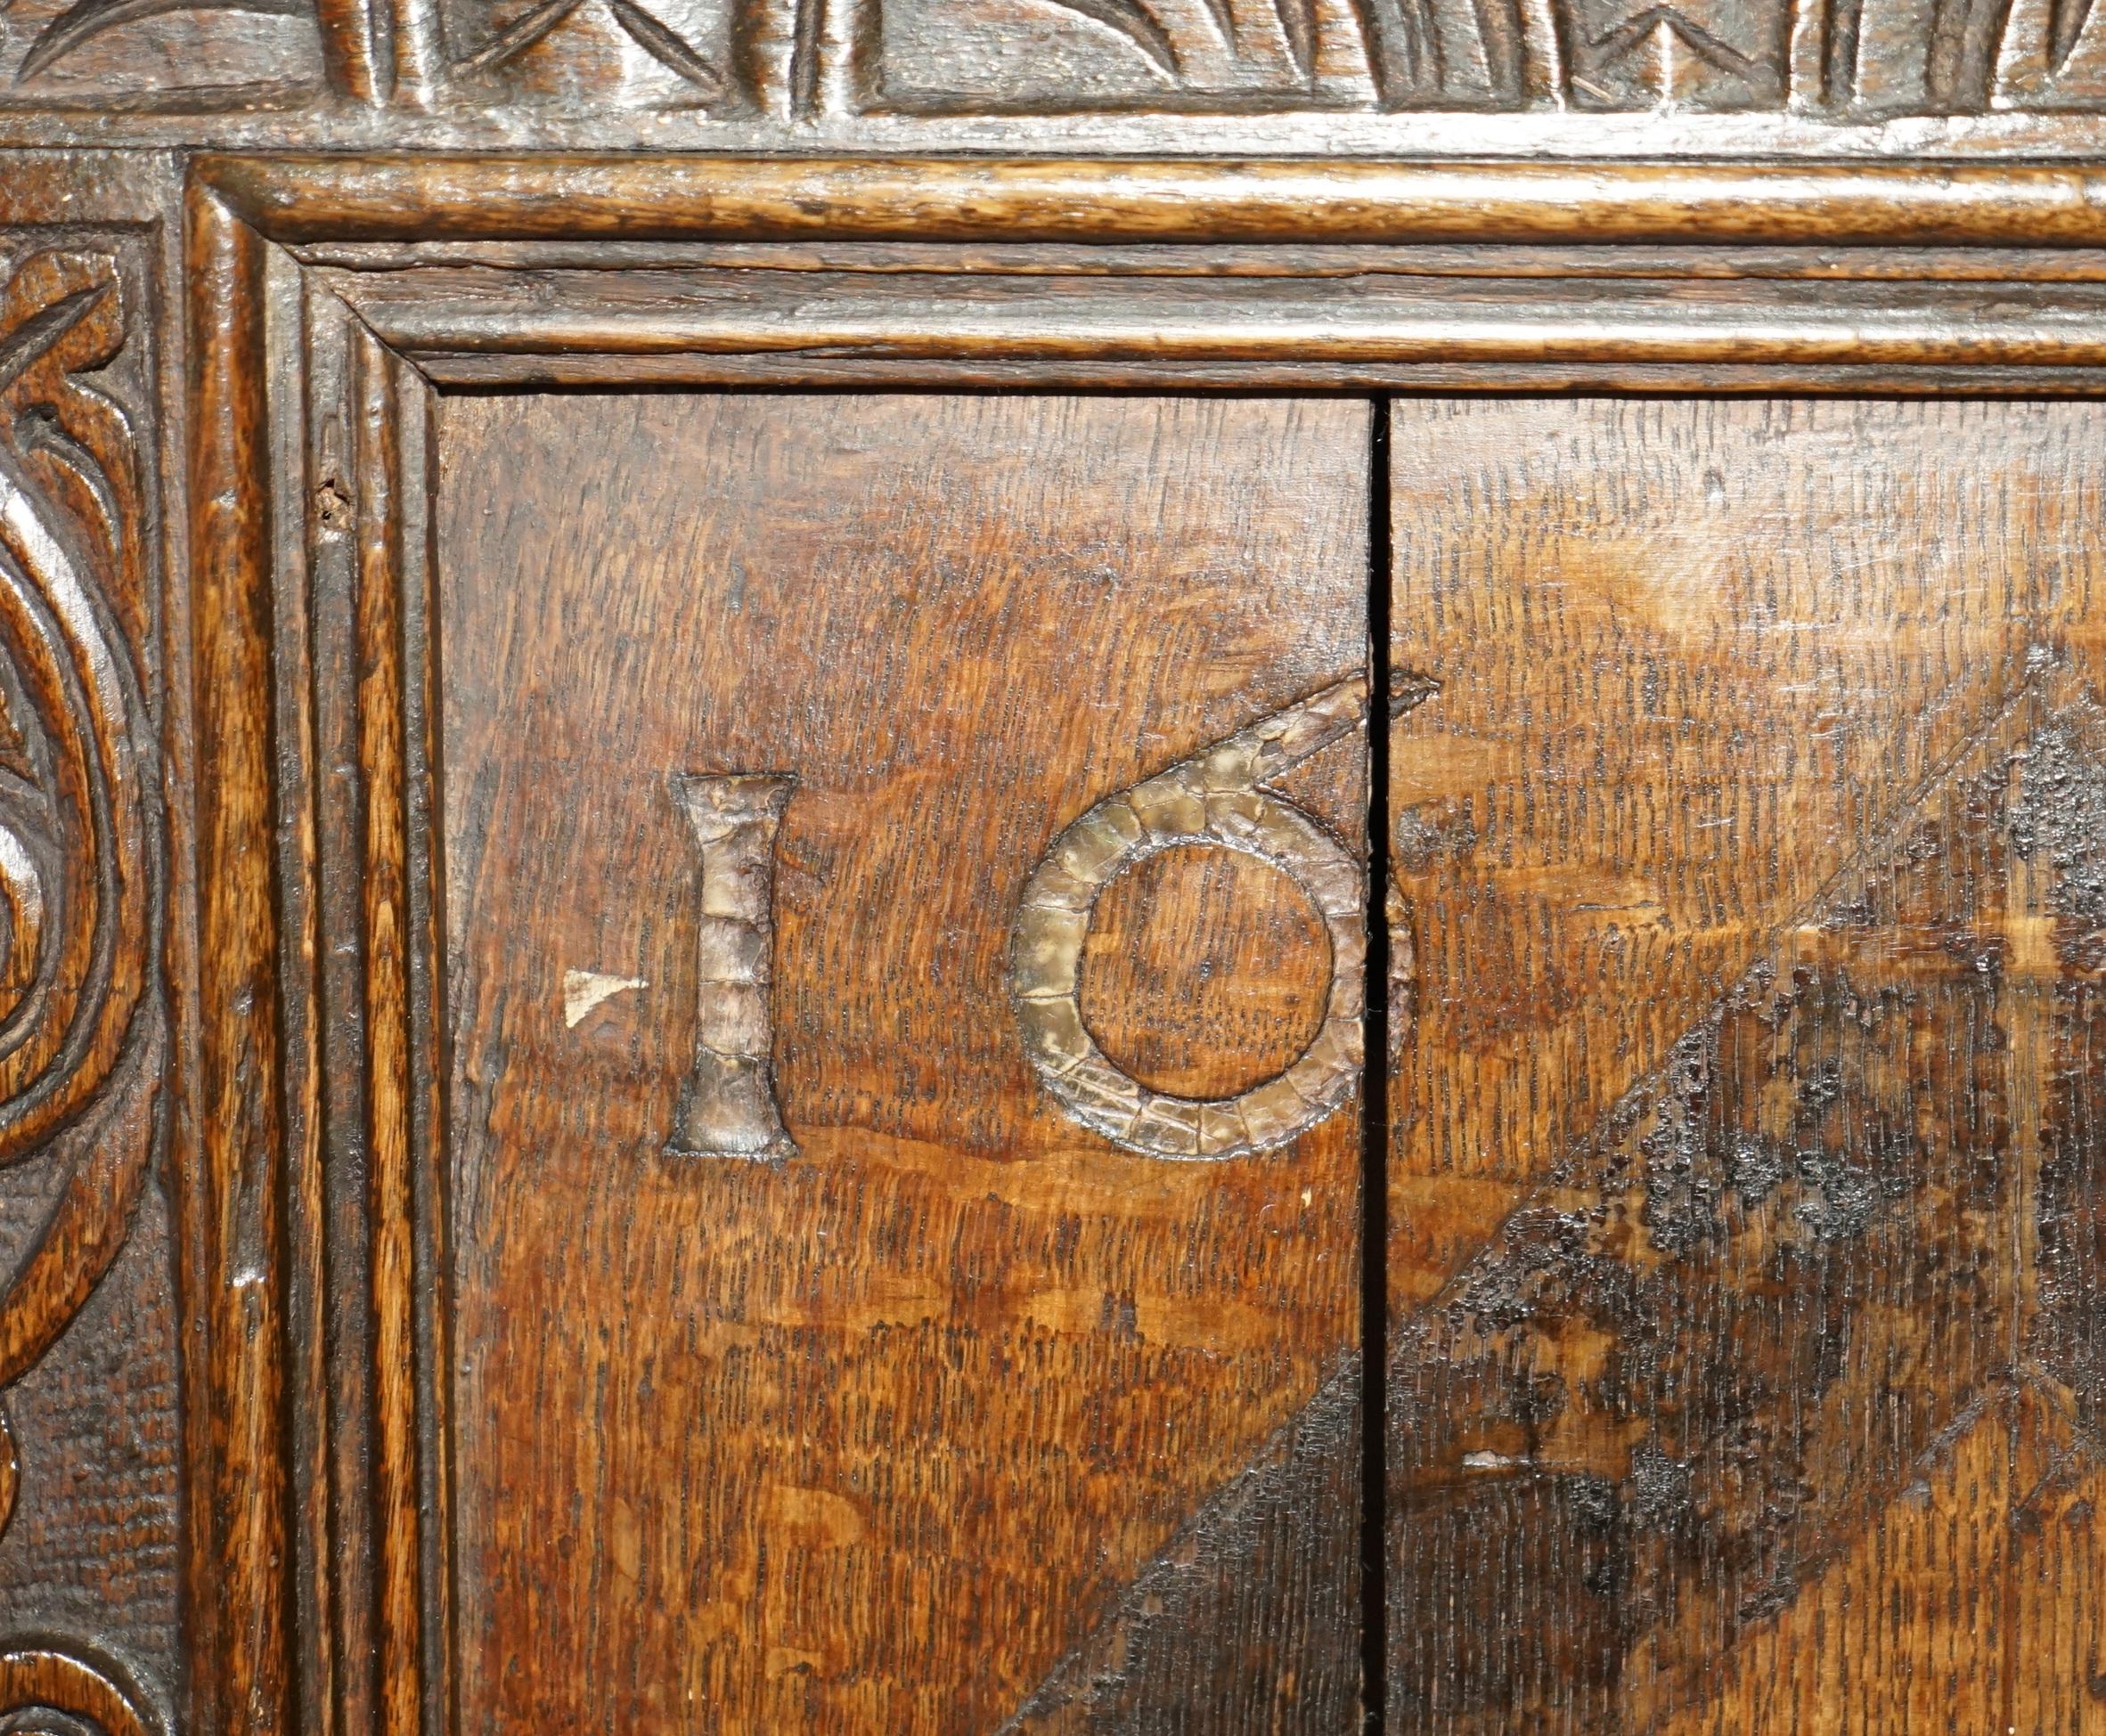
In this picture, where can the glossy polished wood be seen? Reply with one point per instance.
(856, 1438)
(1047, 199)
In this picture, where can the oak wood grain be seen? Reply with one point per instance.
(868, 1437)
(1747, 1324)
(1743, 840)
(232, 1247)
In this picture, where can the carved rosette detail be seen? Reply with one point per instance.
(80, 1020)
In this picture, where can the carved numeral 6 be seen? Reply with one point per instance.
(1216, 799)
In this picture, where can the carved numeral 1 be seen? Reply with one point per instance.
(727, 1105)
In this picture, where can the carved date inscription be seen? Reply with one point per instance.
(1215, 798)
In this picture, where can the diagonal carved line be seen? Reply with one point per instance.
(1627, 37)
(1298, 24)
(2066, 19)
(1188, 1564)
(91, 17)
(1093, 1662)
(517, 36)
(1224, 23)
(34, 338)
(666, 46)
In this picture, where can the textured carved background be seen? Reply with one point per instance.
(102, 55)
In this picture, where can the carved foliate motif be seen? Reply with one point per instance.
(789, 61)
(80, 1019)
(1837, 60)
(1842, 60)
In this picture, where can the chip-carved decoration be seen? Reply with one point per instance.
(1215, 798)
(707, 60)
(105, 55)
(1842, 60)
(795, 61)
(80, 1018)
(544, 48)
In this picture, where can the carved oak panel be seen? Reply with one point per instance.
(855, 1425)
(1815, 75)
(693, 1052)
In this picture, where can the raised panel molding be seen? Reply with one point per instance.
(332, 301)
(225, 1503)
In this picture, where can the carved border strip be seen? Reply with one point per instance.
(268, 498)
(1829, 61)
(326, 199)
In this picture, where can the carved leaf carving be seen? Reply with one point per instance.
(78, 865)
(1848, 61)
(1842, 60)
(81, 1026)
